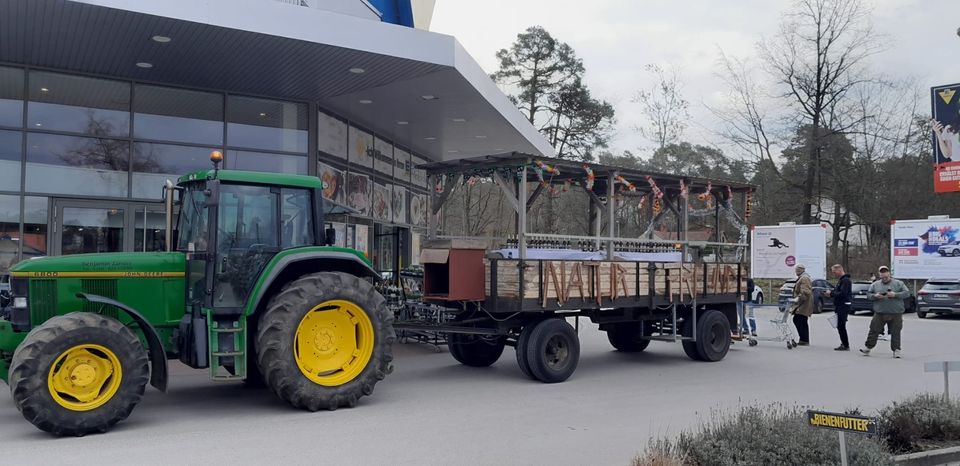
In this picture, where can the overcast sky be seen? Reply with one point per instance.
(616, 38)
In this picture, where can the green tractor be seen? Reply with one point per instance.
(249, 287)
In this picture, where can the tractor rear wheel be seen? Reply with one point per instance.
(325, 341)
(78, 373)
(628, 336)
(475, 350)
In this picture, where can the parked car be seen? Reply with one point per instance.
(939, 296)
(862, 302)
(820, 286)
(757, 297)
(950, 249)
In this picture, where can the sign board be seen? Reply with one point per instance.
(924, 249)
(843, 422)
(776, 250)
(945, 106)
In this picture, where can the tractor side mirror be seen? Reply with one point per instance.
(330, 237)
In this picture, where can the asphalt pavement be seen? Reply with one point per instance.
(432, 410)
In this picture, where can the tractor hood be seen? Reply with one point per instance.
(120, 264)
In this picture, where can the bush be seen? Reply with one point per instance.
(774, 434)
(920, 423)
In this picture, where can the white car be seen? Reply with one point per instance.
(950, 249)
(757, 297)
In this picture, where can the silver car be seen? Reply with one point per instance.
(950, 249)
(939, 296)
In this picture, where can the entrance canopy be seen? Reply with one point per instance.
(422, 89)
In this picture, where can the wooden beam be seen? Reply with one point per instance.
(508, 191)
(534, 196)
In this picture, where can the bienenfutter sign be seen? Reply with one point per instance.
(843, 422)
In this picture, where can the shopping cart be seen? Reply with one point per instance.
(779, 321)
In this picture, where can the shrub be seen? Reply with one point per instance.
(773, 434)
(920, 423)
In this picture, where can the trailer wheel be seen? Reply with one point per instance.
(628, 336)
(521, 349)
(552, 350)
(713, 336)
(690, 346)
(325, 341)
(78, 373)
(475, 350)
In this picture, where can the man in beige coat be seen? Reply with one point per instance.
(802, 307)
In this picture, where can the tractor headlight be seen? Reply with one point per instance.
(20, 302)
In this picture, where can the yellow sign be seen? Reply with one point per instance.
(845, 422)
(97, 274)
(947, 95)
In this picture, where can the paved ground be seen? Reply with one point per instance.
(434, 411)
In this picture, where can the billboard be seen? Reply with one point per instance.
(776, 250)
(923, 249)
(945, 103)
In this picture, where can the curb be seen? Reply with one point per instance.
(939, 457)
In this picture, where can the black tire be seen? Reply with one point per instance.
(628, 336)
(474, 350)
(713, 336)
(818, 308)
(44, 346)
(277, 334)
(689, 346)
(921, 314)
(759, 298)
(552, 350)
(522, 352)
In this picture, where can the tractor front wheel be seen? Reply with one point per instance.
(325, 341)
(78, 374)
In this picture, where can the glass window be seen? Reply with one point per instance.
(266, 124)
(265, 162)
(11, 97)
(153, 164)
(10, 149)
(192, 221)
(34, 227)
(78, 104)
(246, 240)
(150, 229)
(177, 115)
(297, 215)
(9, 231)
(332, 136)
(90, 230)
(77, 165)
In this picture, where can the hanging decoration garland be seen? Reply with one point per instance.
(590, 177)
(683, 189)
(729, 199)
(473, 180)
(706, 195)
(439, 187)
(746, 213)
(549, 169)
(623, 181)
(657, 193)
(657, 206)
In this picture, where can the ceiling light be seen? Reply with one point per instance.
(161, 39)
(452, 151)
(357, 70)
(263, 114)
(428, 97)
(38, 124)
(430, 138)
(458, 120)
(365, 101)
(403, 122)
(43, 89)
(480, 137)
(144, 64)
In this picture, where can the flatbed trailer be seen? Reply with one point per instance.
(502, 292)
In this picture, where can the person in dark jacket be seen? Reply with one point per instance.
(842, 296)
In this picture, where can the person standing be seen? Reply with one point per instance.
(887, 295)
(748, 323)
(803, 304)
(842, 295)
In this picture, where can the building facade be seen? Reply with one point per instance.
(102, 101)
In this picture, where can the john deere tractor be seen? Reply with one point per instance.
(249, 287)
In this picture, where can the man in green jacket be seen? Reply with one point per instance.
(887, 295)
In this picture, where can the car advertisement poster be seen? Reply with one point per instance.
(776, 250)
(923, 249)
(945, 103)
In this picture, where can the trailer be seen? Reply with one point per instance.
(523, 289)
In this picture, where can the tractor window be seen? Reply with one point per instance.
(192, 227)
(247, 238)
(297, 227)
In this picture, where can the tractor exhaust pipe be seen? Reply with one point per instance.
(168, 207)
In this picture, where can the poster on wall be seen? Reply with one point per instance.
(362, 242)
(332, 136)
(418, 177)
(359, 191)
(382, 201)
(776, 250)
(401, 169)
(334, 184)
(418, 209)
(383, 157)
(360, 142)
(946, 137)
(399, 204)
(923, 249)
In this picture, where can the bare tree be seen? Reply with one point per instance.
(663, 106)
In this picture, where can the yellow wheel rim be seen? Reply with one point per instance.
(84, 377)
(333, 343)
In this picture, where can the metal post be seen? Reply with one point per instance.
(611, 212)
(843, 449)
(946, 381)
(522, 214)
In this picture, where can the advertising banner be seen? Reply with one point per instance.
(334, 183)
(923, 249)
(776, 250)
(359, 192)
(945, 105)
